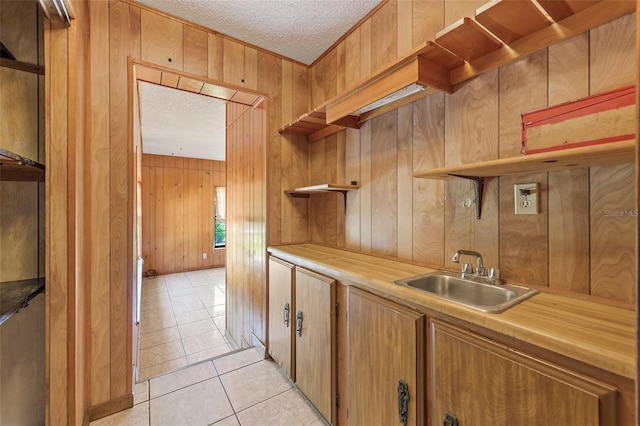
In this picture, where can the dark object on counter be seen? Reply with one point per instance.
(15, 295)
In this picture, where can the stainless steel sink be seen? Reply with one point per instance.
(470, 291)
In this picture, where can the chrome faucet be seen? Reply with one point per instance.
(467, 269)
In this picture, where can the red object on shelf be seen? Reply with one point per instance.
(601, 118)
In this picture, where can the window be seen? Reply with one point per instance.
(219, 217)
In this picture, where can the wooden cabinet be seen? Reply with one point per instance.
(386, 352)
(281, 315)
(480, 382)
(315, 339)
(302, 331)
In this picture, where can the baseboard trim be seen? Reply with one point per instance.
(258, 345)
(112, 406)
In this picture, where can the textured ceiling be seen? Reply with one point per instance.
(184, 124)
(297, 29)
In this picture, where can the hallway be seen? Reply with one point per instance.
(232, 390)
(182, 321)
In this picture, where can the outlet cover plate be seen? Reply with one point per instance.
(525, 197)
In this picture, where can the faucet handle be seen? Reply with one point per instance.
(467, 268)
(494, 273)
(480, 270)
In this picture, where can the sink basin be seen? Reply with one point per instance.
(478, 295)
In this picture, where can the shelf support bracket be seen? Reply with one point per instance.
(478, 190)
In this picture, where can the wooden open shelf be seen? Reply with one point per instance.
(315, 189)
(500, 32)
(306, 191)
(14, 167)
(573, 158)
(21, 66)
(314, 125)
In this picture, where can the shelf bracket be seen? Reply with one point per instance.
(478, 190)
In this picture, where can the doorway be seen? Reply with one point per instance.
(181, 233)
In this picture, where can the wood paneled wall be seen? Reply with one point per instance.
(576, 244)
(245, 272)
(178, 214)
(120, 30)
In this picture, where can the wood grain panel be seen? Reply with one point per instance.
(366, 187)
(287, 93)
(233, 62)
(523, 88)
(100, 364)
(384, 180)
(612, 59)
(384, 35)
(612, 64)
(214, 57)
(177, 223)
(340, 202)
(613, 228)
(365, 49)
(523, 238)
(161, 40)
(250, 68)
(404, 21)
(121, 150)
(331, 200)
(317, 174)
(569, 190)
(428, 19)
(471, 125)
(329, 77)
(195, 50)
(19, 32)
(19, 104)
(352, 58)
(56, 310)
(341, 64)
(286, 227)
(458, 9)
(352, 173)
(135, 28)
(428, 195)
(300, 94)
(405, 182)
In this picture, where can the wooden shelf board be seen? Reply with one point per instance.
(325, 187)
(584, 20)
(21, 66)
(467, 39)
(561, 9)
(14, 167)
(572, 158)
(511, 20)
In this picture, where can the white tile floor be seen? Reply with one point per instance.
(182, 321)
(239, 389)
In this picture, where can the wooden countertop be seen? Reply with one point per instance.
(599, 335)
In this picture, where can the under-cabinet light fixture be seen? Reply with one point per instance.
(61, 8)
(399, 94)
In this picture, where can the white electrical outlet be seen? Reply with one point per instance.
(526, 198)
(204, 256)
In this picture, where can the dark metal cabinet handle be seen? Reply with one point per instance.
(403, 401)
(449, 420)
(299, 328)
(286, 315)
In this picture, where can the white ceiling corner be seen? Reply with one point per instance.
(182, 124)
(298, 29)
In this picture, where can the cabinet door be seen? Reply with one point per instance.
(480, 382)
(281, 314)
(315, 339)
(161, 40)
(386, 348)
